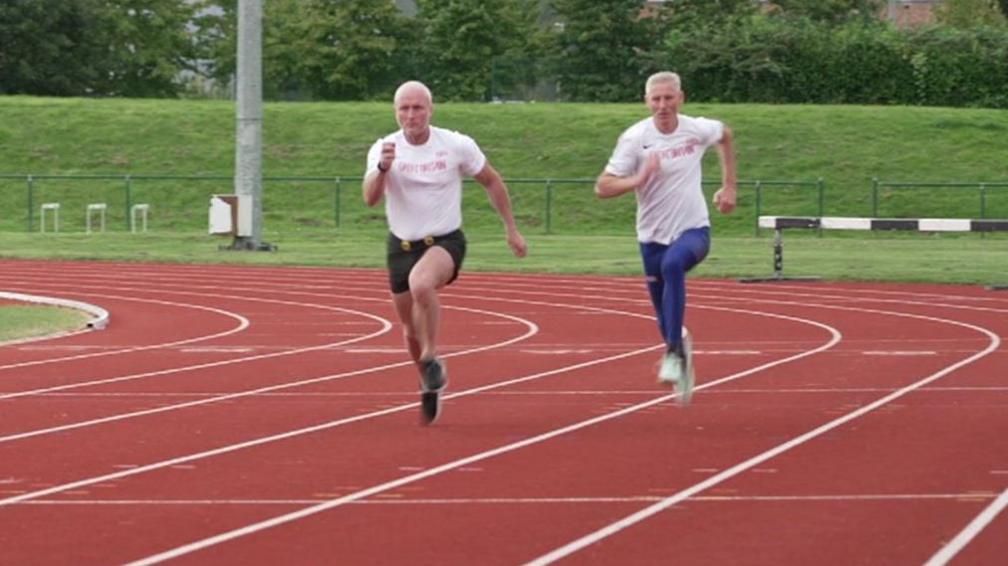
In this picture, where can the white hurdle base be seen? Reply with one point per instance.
(778, 263)
(51, 206)
(98, 207)
(141, 210)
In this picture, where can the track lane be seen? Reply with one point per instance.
(469, 408)
(665, 403)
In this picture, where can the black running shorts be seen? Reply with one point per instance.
(403, 255)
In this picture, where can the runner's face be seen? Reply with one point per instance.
(664, 101)
(413, 112)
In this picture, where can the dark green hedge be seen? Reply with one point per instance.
(766, 59)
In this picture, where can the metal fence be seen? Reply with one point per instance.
(552, 205)
(935, 195)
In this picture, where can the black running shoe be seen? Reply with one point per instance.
(432, 375)
(433, 379)
(430, 406)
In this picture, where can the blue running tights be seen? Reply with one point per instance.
(665, 267)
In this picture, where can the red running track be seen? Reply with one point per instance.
(237, 415)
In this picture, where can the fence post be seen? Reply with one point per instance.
(983, 205)
(819, 188)
(549, 205)
(31, 202)
(874, 197)
(336, 201)
(759, 207)
(129, 204)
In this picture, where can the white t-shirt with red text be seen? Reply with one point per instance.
(672, 201)
(423, 188)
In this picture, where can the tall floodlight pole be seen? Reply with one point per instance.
(248, 132)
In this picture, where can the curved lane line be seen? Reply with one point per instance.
(243, 323)
(386, 326)
(532, 330)
(308, 511)
(821, 296)
(647, 512)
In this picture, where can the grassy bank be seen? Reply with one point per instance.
(845, 146)
(177, 153)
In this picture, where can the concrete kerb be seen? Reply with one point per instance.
(101, 316)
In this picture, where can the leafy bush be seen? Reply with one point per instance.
(762, 58)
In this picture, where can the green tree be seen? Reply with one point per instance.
(349, 50)
(707, 12)
(601, 48)
(50, 47)
(150, 43)
(325, 49)
(964, 14)
(95, 47)
(462, 40)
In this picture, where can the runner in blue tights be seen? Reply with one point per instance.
(659, 159)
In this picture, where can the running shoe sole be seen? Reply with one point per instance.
(430, 406)
(685, 385)
(433, 380)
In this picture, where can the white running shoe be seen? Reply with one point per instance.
(671, 370)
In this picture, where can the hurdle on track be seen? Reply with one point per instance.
(780, 223)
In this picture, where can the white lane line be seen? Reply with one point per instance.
(243, 323)
(647, 512)
(70, 347)
(377, 489)
(385, 327)
(531, 329)
(900, 353)
(734, 290)
(828, 498)
(315, 428)
(530, 393)
(217, 350)
(978, 524)
(817, 291)
(893, 301)
(819, 294)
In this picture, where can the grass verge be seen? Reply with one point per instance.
(948, 258)
(27, 321)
